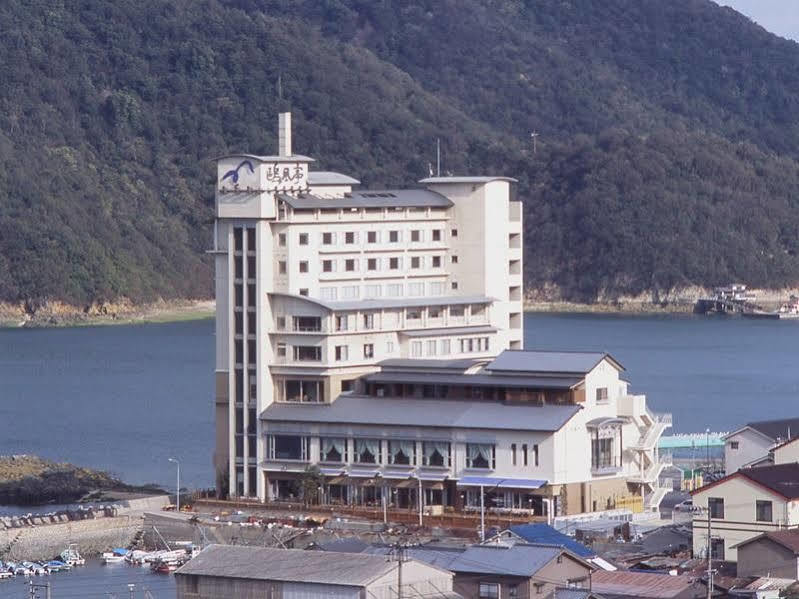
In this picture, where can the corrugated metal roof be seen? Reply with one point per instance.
(288, 565)
(475, 380)
(518, 560)
(388, 198)
(488, 179)
(549, 361)
(575, 594)
(787, 538)
(544, 533)
(475, 330)
(356, 409)
(782, 479)
(640, 584)
(330, 178)
(440, 557)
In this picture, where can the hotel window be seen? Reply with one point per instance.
(415, 289)
(434, 312)
(238, 239)
(250, 239)
(371, 264)
(368, 350)
(454, 259)
(304, 291)
(603, 453)
(281, 323)
(239, 267)
(348, 385)
(416, 349)
(413, 315)
(328, 238)
(402, 452)
(477, 309)
(431, 347)
(328, 293)
(524, 454)
(489, 590)
(394, 290)
(716, 507)
(454, 232)
(454, 285)
(390, 347)
(437, 288)
(303, 266)
(281, 267)
(239, 317)
(303, 238)
(436, 453)
(436, 234)
(341, 353)
(436, 261)
(371, 237)
(281, 240)
(332, 449)
(342, 322)
(535, 454)
(416, 235)
(393, 236)
(372, 291)
(513, 453)
(350, 292)
(457, 311)
(416, 262)
(327, 266)
(393, 263)
(287, 447)
(302, 391)
(368, 451)
(446, 347)
(350, 237)
(281, 350)
(307, 353)
(763, 511)
(368, 322)
(251, 323)
(480, 455)
(350, 265)
(602, 395)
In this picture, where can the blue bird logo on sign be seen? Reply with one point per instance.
(233, 174)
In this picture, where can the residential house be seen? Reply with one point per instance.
(743, 505)
(774, 553)
(645, 585)
(224, 571)
(751, 444)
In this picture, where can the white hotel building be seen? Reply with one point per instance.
(369, 333)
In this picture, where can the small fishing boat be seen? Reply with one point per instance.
(115, 556)
(21, 570)
(72, 556)
(35, 569)
(57, 566)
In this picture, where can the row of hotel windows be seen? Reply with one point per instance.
(417, 289)
(341, 450)
(352, 237)
(432, 347)
(371, 264)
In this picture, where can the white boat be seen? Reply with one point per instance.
(72, 556)
(115, 556)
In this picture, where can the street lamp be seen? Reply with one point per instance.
(177, 488)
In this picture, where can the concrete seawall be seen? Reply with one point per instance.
(95, 531)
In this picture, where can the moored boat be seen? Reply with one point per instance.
(115, 556)
(72, 556)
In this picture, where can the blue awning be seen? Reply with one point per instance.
(332, 471)
(501, 483)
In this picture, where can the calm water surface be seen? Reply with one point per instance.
(126, 398)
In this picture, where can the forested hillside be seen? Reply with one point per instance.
(667, 153)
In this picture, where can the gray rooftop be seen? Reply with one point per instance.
(549, 361)
(419, 363)
(388, 198)
(330, 178)
(288, 565)
(408, 302)
(441, 557)
(475, 380)
(518, 560)
(489, 179)
(356, 409)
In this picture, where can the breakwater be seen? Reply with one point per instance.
(41, 537)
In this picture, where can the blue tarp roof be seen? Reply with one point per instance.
(501, 483)
(543, 533)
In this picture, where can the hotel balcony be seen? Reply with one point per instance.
(605, 466)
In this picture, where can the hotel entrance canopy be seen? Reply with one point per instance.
(501, 483)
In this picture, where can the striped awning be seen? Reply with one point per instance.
(331, 471)
(363, 473)
(501, 483)
(397, 474)
(436, 476)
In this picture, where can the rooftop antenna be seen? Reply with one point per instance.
(438, 157)
(534, 135)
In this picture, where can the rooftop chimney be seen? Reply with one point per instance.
(284, 134)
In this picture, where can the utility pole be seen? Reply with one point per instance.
(34, 593)
(709, 557)
(535, 135)
(438, 157)
(398, 552)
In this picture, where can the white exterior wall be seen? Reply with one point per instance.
(787, 452)
(752, 445)
(739, 522)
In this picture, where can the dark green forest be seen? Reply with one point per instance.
(667, 152)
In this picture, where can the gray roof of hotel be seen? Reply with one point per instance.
(518, 560)
(330, 178)
(288, 565)
(476, 380)
(549, 361)
(473, 330)
(407, 302)
(356, 409)
(461, 364)
(488, 179)
(388, 198)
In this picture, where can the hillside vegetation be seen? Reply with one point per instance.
(667, 153)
